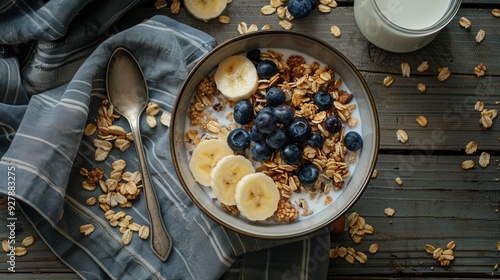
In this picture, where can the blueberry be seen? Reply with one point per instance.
(323, 100)
(316, 140)
(291, 154)
(238, 139)
(353, 141)
(333, 124)
(266, 109)
(243, 112)
(254, 55)
(275, 96)
(276, 140)
(256, 136)
(261, 152)
(314, 3)
(299, 131)
(283, 114)
(308, 174)
(266, 69)
(266, 123)
(299, 8)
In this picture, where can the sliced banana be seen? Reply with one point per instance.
(205, 157)
(257, 196)
(205, 9)
(236, 77)
(226, 175)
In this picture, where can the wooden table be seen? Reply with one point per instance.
(438, 201)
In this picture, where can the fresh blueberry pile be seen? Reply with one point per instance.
(276, 129)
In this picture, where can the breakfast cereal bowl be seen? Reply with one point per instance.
(305, 65)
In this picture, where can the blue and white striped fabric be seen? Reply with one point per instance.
(47, 98)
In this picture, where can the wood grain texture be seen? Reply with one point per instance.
(438, 201)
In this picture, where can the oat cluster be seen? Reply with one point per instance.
(358, 228)
(279, 7)
(487, 115)
(443, 256)
(300, 81)
(350, 255)
(483, 160)
(119, 188)
(18, 250)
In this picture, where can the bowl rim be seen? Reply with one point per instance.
(256, 34)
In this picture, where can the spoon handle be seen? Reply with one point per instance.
(160, 239)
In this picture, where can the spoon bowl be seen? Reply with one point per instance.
(128, 93)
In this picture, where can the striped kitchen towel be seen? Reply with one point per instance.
(53, 58)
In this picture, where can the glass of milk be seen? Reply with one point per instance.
(403, 25)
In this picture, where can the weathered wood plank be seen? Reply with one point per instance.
(448, 107)
(461, 56)
(39, 258)
(438, 202)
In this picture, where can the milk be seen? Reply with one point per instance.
(403, 25)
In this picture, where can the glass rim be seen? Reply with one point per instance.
(451, 11)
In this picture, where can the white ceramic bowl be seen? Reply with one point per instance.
(355, 183)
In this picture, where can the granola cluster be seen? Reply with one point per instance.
(299, 81)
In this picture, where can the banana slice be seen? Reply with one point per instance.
(257, 196)
(226, 175)
(205, 157)
(236, 77)
(205, 9)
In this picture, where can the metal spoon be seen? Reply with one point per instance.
(128, 93)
